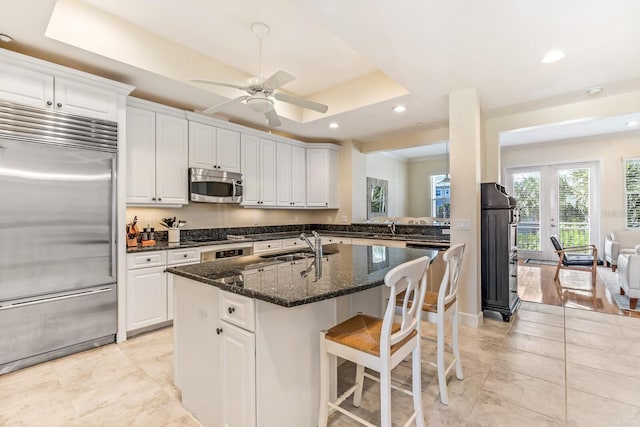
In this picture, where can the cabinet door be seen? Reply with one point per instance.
(202, 146)
(238, 376)
(283, 182)
(146, 297)
(172, 159)
(298, 176)
(141, 156)
(25, 86)
(317, 177)
(197, 349)
(85, 100)
(250, 164)
(228, 150)
(267, 172)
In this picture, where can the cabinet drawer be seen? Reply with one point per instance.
(147, 259)
(238, 309)
(326, 240)
(267, 246)
(293, 243)
(180, 256)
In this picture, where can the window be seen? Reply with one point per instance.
(632, 192)
(526, 190)
(441, 201)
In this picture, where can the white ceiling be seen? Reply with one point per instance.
(350, 53)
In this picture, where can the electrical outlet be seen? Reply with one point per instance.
(202, 314)
(329, 219)
(256, 219)
(344, 218)
(296, 219)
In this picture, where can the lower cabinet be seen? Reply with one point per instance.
(215, 359)
(150, 288)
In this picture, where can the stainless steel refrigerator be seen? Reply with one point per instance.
(57, 234)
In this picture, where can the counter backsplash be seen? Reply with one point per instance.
(434, 231)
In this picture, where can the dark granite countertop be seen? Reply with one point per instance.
(345, 269)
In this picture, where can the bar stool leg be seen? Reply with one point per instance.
(357, 395)
(324, 383)
(456, 345)
(385, 397)
(416, 383)
(442, 377)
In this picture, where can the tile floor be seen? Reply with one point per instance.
(550, 366)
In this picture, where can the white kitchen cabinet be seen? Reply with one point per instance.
(291, 175)
(213, 148)
(217, 376)
(266, 246)
(150, 296)
(379, 242)
(322, 178)
(157, 157)
(326, 240)
(146, 297)
(44, 90)
(237, 376)
(259, 171)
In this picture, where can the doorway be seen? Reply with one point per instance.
(559, 200)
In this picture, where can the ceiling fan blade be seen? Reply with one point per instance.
(280, 78)
(211, 82)
(224, 104)
(304, 103)
(272, 118)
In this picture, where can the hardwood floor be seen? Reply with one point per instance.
(574, 290)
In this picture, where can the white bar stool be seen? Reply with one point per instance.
(437, 308)
(380, 345)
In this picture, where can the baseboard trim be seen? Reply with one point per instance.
(473, 320)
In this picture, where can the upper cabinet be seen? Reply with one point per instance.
(211, 147)
(322, 177)
(291, 175)
(157, 155)
(259, 171)
(46, 87)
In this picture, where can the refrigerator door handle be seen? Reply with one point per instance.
(114, 215)
(63, 297)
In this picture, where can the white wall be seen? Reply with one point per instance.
(395, 171)
(608, 151)
(420, 172)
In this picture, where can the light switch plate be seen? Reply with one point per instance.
(462, 224)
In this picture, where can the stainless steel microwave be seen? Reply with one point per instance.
(214, 186)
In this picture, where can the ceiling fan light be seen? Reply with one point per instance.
(260, 104)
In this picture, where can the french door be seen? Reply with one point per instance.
(556, 200)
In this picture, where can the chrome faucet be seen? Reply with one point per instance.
(317, 264)
(317, 247)
(392, 226)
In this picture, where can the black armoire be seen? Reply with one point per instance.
(499, 250)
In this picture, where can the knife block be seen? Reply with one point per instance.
(132, 242)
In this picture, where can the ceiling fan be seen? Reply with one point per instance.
(261, 92)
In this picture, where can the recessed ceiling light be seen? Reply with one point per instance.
(595, 90)
(399, 108)
(553, 56)
(632, 123)
(419, 124)
(334, 125)
(5, 38)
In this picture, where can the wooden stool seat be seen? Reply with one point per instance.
(363, 332)
(430, 302)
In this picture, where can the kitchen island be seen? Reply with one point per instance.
(247, 329)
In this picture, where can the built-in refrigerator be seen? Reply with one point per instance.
(57, 234)
(499, 251)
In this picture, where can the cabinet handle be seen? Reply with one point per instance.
(268, 246)
(59, 104)
(326, 203)
(231, 310)
(153, 198)
(49, 103)
(185, 255)
(218, 331)
(159, 199)
(148, 259)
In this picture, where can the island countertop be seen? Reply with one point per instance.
(293, 281)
